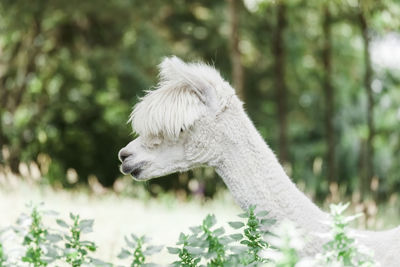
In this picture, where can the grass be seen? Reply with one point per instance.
(162, 219)
(117, 215)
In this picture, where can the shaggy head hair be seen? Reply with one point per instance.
(184, 93)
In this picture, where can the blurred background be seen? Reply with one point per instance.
(320, 80)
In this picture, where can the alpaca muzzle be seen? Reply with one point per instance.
(133, 169)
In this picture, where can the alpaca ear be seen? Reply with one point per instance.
(194, 76)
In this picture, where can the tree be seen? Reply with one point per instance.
(368, 75)
(280, 84)
(329, 93)
(235, 55)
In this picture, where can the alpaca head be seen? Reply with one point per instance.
(176, 122)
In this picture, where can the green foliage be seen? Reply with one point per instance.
(38, 241)
(342, 248)
(216, 249)
(210, 243)
(206, 245)
(41, 242)
(135, 248)
(253, 235)
(287, 243)
(76, 251)
(205, 241)
(3, 257)
(187, 254)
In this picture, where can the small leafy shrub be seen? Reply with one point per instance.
(188, 256)
(3, 258)
(342, 249)
(34, 240)
(211, 245)
(253, 235)
(287, 241)
(138, 249)
(76, 250)
(204, 242)
(37, 240)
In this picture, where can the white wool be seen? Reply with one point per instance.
(152, 117)
(180, 98)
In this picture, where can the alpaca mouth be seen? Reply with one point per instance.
(135, 173)
(133, 170)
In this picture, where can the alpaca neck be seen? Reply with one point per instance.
(254, 176)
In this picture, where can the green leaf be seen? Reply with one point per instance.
(86, 230)
(194, 250)
(172, 250)
(245, 242)
(236, 237)
(236, 225)
(51, 253)
(196, 242)
(219, 231)
(54, 237)
(124, 254)
(100, 263)
(225, 240)
(268, 221)
(252, 208)
(262, 213)
(210, 221)
(238, 249)
(91, 246)
(195, 230)
(150, 265)
(182, 239)
(86, 224)
(134, 237)
(243, 215)
(150, 250)
(130, 243)
(72, 254)
(192, 239)
(62, 223)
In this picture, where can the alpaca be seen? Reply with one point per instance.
(194, 118)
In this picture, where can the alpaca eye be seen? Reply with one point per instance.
(181, 130)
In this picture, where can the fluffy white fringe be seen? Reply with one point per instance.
(183, 95)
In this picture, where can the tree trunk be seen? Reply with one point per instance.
(11, 98)
(369, 156)
(329, 96)
(280, 85)
(237, 67)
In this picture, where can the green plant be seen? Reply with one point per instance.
(3, 257)
(254, 231)
(205, 245)
(204, 242)
(39, 243)
(217, 249)
(138, 249)
(188, 256)
(76, 251)
(342, 248)
(286, 243)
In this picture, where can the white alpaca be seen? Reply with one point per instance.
(194, 118)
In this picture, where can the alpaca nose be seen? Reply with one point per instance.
(123, 154)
